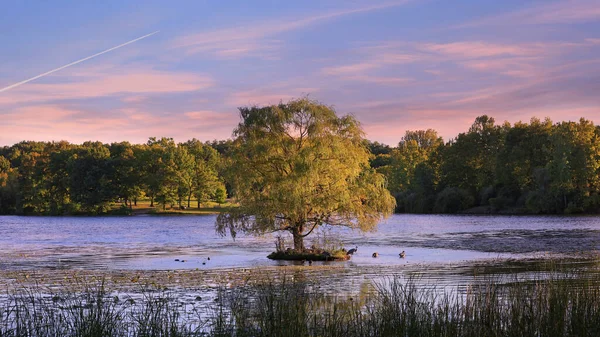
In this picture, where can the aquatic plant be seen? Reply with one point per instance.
(554, 304)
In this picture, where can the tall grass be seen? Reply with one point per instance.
(91, 311)
(552, 306)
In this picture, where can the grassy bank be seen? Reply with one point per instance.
(557, 305)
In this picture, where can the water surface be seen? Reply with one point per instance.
(155, 242)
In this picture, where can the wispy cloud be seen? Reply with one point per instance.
(550, 12)
(477, 49)
(259, 39)
(77, 124)
(267, 95)
(107, 82)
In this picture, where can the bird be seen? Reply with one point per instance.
(375, 254)
(310, 262)
(208, 258)
(352, 251)
(402, 255)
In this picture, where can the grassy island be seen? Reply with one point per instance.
(310, 255)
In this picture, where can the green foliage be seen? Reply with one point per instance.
(300, 154)
(63, 178)
(297, 166)
(537, 167)
(220, 195)
(453, 200)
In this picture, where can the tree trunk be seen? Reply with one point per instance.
(198, 203)
(135, 201)
(298, 238)
(151, 201)
(189, 199)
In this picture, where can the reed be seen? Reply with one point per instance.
(553, 305)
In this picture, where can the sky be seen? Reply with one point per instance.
(395, 65)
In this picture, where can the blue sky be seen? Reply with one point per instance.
(395, 65)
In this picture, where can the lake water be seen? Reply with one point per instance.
(155, 242)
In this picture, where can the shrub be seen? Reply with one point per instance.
(453, 200)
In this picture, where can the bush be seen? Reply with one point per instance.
(220, 195)
(501, 202)
(453, 200)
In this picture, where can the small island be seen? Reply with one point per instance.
(310, 255)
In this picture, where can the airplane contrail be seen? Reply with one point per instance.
(74, 63)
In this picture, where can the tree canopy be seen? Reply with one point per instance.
(297, 166)
(63, 178)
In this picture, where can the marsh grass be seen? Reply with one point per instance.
(555, 304)
(92, 311)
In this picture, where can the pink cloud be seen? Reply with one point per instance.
(120, 80)
(134, 99)
(267, 95)
(476, 49)
(350, 68)
(516, 66)
(54, 122)
(548, 12)
(212, 118)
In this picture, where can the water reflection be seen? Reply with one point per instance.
(155, 242)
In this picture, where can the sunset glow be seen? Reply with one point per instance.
(395, 65)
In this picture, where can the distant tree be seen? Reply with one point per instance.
(221, 146)
(469, 162)
(90, 178)
(205, 176)
(413, 172)
(526, 150)
(185, 164)
(126, 175)
(5, 170)
(220, 195)
(297, 166)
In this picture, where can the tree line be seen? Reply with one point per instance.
(535, 167)
(62, 178)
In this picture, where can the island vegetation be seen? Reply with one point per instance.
(297, 166)
(539, 167)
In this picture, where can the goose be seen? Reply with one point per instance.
(352, 251)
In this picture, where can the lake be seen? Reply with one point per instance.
(155, 242)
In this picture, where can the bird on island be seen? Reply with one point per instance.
(403, 254)
(352, 251)
(375, 254)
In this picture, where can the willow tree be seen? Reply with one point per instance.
(297, 166)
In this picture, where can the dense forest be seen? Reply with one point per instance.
(62, 178)
(538, 167)
(535, 167)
